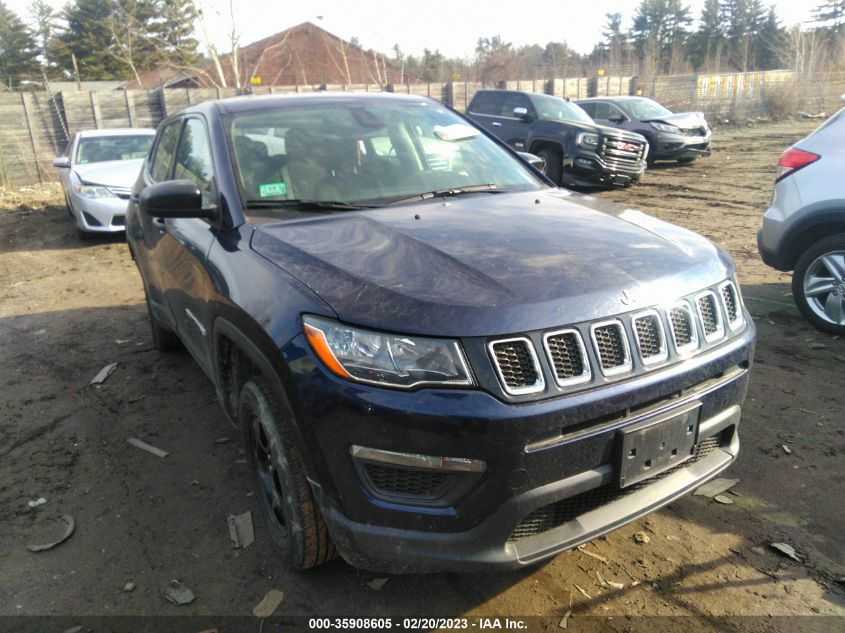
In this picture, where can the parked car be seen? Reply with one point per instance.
(97, 174)
(576, 151)
(682, 136)
(439, 360)
(804, 227)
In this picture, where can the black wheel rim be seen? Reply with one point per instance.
(267, 473)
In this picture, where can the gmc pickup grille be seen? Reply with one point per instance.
(618, 150)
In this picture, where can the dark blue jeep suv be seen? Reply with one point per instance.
(439, 360)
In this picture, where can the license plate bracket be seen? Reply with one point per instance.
(657, 444)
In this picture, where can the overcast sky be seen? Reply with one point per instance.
(453, 26)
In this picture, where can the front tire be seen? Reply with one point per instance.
(818, 284)
(554, 163)
(287, 505)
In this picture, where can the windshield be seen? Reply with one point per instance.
(646, 109)
(555, 109)
(98, 149)
(351, 153)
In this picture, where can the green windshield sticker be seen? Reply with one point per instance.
(272, 189)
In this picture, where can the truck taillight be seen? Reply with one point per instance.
(792, 160)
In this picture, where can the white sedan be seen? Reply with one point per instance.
(97, 174)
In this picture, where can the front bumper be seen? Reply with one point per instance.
(538, 496)
(99, 215)
(680, 147)
(588, 169)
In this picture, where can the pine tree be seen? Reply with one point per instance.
(771, 41)
(18, 50)
(705, 45)
(87, 36)
(830, 14)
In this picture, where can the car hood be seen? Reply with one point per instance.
(113, 173)
(683, 120)
(491, 264)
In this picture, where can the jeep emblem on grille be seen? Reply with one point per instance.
(628, 298)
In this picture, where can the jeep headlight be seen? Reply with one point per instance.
(93, 191)
(588, 140)
(665, 127)
(391, 360)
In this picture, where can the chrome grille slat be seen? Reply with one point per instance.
(684, 333)
(568, 356)
(648, 332)
(730, 302)
(611, 344)
(711, 317)
(517, 365)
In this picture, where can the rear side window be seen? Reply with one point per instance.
(605, 110)
(515, 101)
(166, 148)
(487, 103)
(193, 157)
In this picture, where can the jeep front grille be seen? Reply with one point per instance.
(517, 366)
(568, 356)
(648, 331)
(711, 318)
(730, 302)
(611, 345)
(684, 334)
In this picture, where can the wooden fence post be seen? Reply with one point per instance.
(93, 101)
(31, 137)
(129, 105)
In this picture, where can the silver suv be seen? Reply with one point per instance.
(804, 228)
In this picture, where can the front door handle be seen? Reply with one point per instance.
(496, 124)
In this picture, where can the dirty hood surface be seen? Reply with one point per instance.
(113, 173)
(491, 264)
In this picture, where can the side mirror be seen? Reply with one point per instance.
(62, 162)
(616, 118)
(535, 161)
(174, 199)
(522, 113)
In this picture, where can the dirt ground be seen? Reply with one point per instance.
(68, 307)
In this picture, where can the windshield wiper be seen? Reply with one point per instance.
(331, 205)
(451, 191)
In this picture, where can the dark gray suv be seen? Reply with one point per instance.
(681, 136)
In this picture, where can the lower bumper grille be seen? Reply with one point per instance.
(428, 484)
(558, 513)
